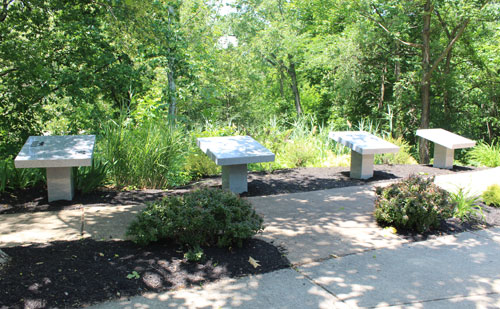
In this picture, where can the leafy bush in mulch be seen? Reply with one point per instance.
(491, 196)
(205, 217)
(413, 204)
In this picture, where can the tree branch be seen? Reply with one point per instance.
(5, 6)
(459, 31)
(2, 74)
(381, 25)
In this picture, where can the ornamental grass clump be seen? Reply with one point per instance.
(415, 204)
(205, 217)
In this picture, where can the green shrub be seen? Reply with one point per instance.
(413, 204)
(204, 217)
(492, 196)
(485, 155)
(403, 156)
(199, 164)
(466, 205)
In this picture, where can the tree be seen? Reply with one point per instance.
(376, 11)
(56, 57)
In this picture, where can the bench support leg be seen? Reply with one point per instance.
(443, 157)
(60, 183)
(234, 178)
(361, 165)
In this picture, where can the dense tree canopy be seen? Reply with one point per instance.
(67, 66)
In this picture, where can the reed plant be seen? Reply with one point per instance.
(485, 154)
(149, 154)
(12, 178)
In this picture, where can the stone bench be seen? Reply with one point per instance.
(445, 144)
(58, 155)
(233, 153)
(363, 146)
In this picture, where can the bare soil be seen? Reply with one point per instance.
(81, 273)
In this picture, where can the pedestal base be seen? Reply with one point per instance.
(234, 178)
(361, 165)
(60, 183)
(443, 157)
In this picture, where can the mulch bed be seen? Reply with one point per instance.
(85, 272)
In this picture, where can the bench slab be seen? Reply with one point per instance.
(58, 155)
(56, 151)
(445, 138)
(233, 153)
(363, 146)
(445, 144)
(363, 142)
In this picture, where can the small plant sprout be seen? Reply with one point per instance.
(133, 275)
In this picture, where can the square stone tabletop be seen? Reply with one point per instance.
(446, 138)
(363, 143)
(56, 151)
(234, 150)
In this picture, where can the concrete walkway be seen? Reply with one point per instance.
(341, 258)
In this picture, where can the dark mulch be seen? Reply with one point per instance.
(259, 184)
(79, 273)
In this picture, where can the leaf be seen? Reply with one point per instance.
(254, 262)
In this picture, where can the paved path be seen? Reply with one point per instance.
(461, 271)
(341, 258)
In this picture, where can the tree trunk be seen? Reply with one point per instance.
(294, 86)
(425, 86)
(382, 88)
(282, 78)
(172, 100)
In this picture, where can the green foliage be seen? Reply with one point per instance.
(492, 196)
(466, 205)
(485, 155)
(403, 156)
(57, 53)
(89, 178)
(194, 254)
(12, 178)
(413, 204)
(204, 217)
(149, 154)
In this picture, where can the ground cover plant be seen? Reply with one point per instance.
(413, 204)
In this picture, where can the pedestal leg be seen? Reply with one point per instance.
(60, 183)
(443, 157)
(234, 178)
(361, 165)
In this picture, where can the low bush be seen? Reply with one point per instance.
(491, 196)
(414, 204)
(204, 217)
(403, 156)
